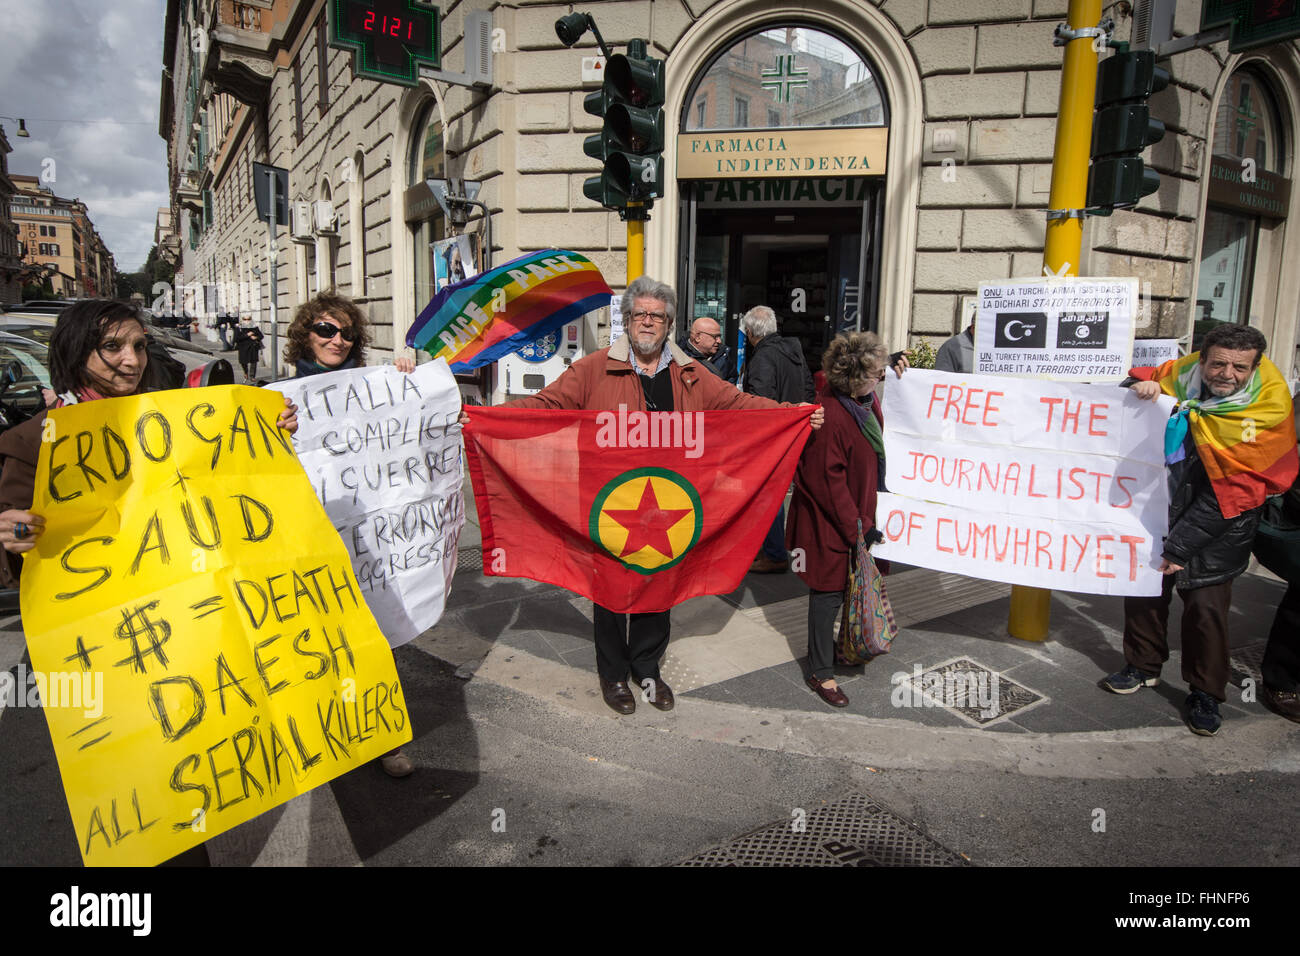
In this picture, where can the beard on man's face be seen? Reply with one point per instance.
(648, 345)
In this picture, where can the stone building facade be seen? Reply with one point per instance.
(60, 242)
(11, 262)
(953, 104)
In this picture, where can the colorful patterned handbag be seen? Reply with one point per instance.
(867, 628)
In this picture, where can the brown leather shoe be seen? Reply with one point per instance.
(765, 565)
(832, 695)
(618, 695)
(1281, 702)
(660, 694)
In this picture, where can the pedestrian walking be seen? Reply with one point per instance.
(835, 487)
(248, 345)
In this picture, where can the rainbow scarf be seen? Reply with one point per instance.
(1246, 440)
(485, 317)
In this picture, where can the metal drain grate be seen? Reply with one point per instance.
(469, 559)
(971, 691)
(1247, 662)
(853, 831)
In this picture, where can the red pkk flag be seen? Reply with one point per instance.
(637, 511)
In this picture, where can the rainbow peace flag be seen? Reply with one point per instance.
(1246, 440)
(479, 320)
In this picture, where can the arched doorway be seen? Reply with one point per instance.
(1246, 207)
(780, 166)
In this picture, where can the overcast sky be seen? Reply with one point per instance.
(86, 76)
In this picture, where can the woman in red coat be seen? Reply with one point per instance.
(834, 486)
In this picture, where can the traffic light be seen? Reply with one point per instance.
(1122, 127)
(631, 141)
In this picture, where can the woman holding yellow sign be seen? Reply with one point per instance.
(98, 349)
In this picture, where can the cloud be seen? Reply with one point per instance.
(86, 75)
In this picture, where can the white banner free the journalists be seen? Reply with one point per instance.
(383, 451)
(1048, 484)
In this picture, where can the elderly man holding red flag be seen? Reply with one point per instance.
(644, 372)
(1229, 445)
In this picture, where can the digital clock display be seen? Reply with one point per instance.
(390, 38)
(385, 28)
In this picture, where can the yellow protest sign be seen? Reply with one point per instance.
(188, 565)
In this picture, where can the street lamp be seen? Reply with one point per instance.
(22, 125)
(570, 29)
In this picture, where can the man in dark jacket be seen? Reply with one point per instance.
(704, 344)
(775, 369)
(1204, 549)
(1278, 548)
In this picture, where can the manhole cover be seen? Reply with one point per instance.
(1246, 662)
(469, 559)
(968, 689)
(853, 831)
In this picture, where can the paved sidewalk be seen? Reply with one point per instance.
(748, 649)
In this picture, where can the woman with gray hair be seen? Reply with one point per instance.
(835, 486)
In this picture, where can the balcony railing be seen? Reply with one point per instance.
(239, 61)
(247, 17)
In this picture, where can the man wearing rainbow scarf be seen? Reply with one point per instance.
(1228, 446)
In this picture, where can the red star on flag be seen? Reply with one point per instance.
(648, 524)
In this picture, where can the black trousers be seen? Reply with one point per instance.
(1281, 667)
(1204, 630)
(629, 642)
(823, 609)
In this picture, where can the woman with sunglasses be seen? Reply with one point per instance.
(330, 333)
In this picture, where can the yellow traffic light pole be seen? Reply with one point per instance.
(1031, 607)
(635, 248)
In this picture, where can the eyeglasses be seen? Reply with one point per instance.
(658, 318)
(327, 331)
(710, 335)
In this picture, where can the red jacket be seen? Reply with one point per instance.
(605, 380)
(834, 485)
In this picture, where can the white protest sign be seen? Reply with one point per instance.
(1027, 482)
(1038, 552)
(1152, 352)
(1062, 328)
(383, 451)
(615, 318)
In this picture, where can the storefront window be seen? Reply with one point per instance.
(1247, 126)
(1248, 192)
(794, 77)
(427, 161)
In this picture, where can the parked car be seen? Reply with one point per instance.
(39, 307)
(45, 311)
(24, 372)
